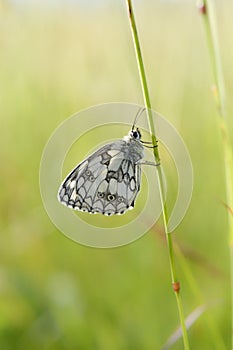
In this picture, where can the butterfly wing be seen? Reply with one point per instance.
(106, 182)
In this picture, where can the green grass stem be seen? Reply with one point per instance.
(142, 74)
(217, 339)
(218, 87)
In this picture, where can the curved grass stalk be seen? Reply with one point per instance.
(175, 281)
(218, 87)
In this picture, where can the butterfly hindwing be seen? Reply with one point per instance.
(106, 182)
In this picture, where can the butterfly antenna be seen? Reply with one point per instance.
(139, 113)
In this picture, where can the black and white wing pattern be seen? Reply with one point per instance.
(107, 181)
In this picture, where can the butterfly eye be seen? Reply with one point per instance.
(135, 134)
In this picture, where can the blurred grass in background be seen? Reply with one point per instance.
(54, 61)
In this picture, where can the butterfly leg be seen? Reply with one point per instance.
(147, 162)
(147, 143)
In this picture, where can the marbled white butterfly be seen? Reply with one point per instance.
(108, 181)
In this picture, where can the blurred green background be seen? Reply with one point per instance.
(54, 61)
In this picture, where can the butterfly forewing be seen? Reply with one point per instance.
(106, 182)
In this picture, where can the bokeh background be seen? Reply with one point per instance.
(56, 58)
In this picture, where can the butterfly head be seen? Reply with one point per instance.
(135, 134)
